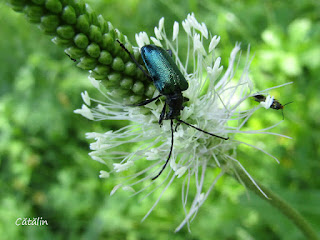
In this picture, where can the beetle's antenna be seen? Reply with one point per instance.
(164, 166)
(287, 103)
(282, 109)
(179, 120)
(134, 60)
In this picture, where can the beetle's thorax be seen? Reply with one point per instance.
(174, 102)
(276, 105)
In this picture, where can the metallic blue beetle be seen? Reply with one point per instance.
(170, 83)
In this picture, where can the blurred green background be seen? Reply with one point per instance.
(45, 168)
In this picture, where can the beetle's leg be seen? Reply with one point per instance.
(169, 52)
(177, 125)
(146, 101)
(164, 166)
(199, 129)
(134, 60)
(163, 112)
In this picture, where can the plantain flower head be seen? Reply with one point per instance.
(218, 103)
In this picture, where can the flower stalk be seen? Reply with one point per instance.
(276, 201)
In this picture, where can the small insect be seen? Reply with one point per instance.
(71, 57)
(170, 82)
(275, 104)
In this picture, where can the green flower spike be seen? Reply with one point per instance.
(91, 41)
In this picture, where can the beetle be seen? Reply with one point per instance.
(275, 104)
(170, 83)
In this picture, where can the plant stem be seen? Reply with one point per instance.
(276, 201)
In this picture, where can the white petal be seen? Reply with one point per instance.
(156, 41)
(186, 27)
(85, 111)
(214, 42)
(86, 98)
(157, 32)
(127, 188)
(198, 44)
(94, 82)
(145, 38)
(235, 51)
(175, 30)
(139, 40)
(119, 167)
(179, 173)
(161, 23)
(204, 30)
(104, 174)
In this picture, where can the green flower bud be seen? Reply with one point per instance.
(17, 5)
(95, 34)
(61, 42)
(150, 90)
(126, 83)
(54, 6)
(138, 88)
(108, 41)
(117, 64)
(74, 52)
(81, 40)
(91, 14)
(118, 93)
(97, 76)
(119, 36)
(102, 70)
(135, 99)
(130, 68)
(87, 63)
(105, 57)
(114, 77)
(49, 23)
(109, 85)
(102, 23)
(34, 13)
(69, 15)
(65, 31)
(93, 50)
(83, 24)
(38, 2)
